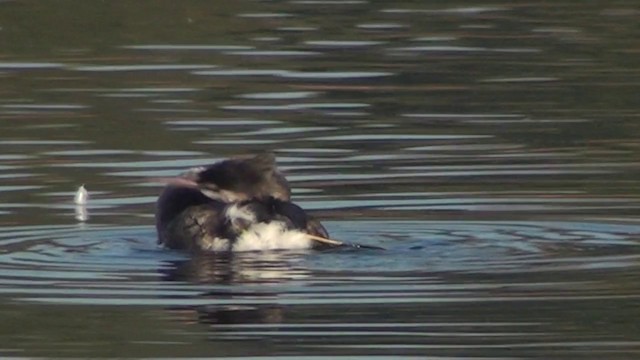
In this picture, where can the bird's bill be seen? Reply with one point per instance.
(323, 240)
(333, 242)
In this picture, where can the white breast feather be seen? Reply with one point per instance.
(239, 212)
(271, 236)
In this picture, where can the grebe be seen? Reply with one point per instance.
(238, 204)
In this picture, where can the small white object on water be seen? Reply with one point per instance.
(80, 199)
(82, 195)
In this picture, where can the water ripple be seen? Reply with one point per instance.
(326, 75)
(105, 265)
(140, 67)
(28, 65)
(182, 47)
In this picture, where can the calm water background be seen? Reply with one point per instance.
(491, 148)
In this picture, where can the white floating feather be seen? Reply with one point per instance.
(82, 195)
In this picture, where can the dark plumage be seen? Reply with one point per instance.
(246, 178)
(269, 210)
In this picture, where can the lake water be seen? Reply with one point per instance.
(491, 149)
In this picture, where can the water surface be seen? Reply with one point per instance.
(491, 149)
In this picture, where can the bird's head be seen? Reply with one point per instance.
(237, 179)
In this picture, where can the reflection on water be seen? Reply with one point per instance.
(491, 149)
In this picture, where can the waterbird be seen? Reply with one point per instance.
(238, 204)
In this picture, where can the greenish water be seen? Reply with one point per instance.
(492, 149)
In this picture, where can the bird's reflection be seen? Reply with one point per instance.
(267, 314)
(238, 268)
(261, 270)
